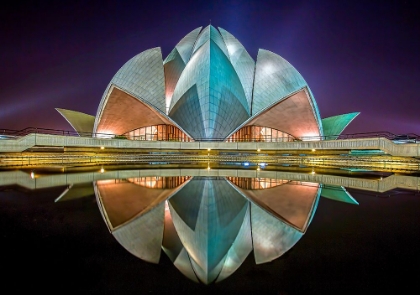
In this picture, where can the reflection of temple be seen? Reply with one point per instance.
(207, 225)
(256, 183)
(158, 181)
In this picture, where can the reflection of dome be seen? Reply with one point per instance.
(208, 88)
(208, 225)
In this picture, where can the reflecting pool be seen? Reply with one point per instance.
(207, 230)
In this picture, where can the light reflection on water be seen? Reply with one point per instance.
(209, 225)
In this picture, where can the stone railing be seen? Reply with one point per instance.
(23, 143)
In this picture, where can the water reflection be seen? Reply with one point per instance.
(207, 223)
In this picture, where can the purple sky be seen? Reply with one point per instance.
(354, 57)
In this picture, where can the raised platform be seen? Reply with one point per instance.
(24, 143)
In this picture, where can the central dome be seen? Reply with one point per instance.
(208, 88)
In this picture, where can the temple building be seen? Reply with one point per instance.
(208, 88)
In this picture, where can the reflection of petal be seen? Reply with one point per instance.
(183, 263)
(337, 193)
(240, 249)
(134, 215)
(281, 217)
(207, 276)
(142, 237)
(122, 201)
(172, 246)
(293, 203)
(171, 243)
(76, 191)
(207, 214)
(270, 236)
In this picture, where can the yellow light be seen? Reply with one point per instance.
(259, 150)
(102, 170)
(32, 175)
(313, 150)
(313, 172)
(102, 147)
(209, 149)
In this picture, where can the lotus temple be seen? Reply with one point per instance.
(208, 89)
(207, 155)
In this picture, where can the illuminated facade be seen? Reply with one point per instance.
(158, 132)
(208, 88)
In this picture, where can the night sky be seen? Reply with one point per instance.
(354, 56)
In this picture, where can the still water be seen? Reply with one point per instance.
(195, 230)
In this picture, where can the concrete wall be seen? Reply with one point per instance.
(23, 143)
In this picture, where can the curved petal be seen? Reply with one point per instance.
(210, 33)
(81, 122)
(185, 46)
(175, 63)
(293, 114)
(333, 126)
(242, 62)
(209, 101)
(135, 113)
(275, 79)
(143, 78)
